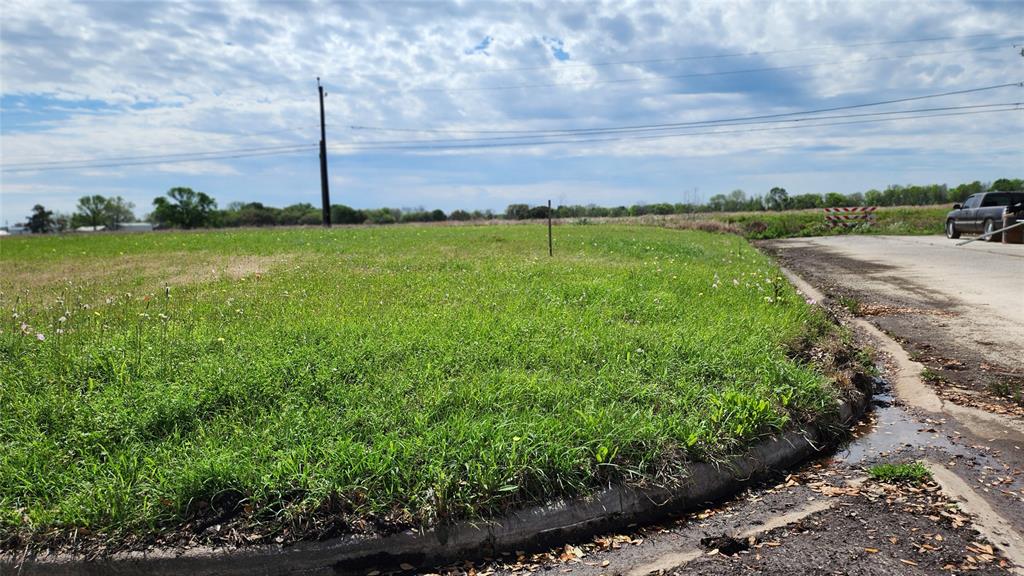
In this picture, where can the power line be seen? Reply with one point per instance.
(693, 125)
(202, 133)
(84, 166)
(556, 132)
(696, 74)
(182, 155)
(414, 146)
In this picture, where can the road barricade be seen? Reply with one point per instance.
(850, 216)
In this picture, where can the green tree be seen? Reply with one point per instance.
(184, 208)
(777, 199)
(41, 220)
(517, 212)
(1007, 185)
(118, 211)
(92, 210)
(342, 214)
(835, 200)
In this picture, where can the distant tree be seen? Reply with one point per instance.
(92, 210)
(1007, 185)
(835, 200)
(517, 212)
(777, 199)
(806, 201)
(961, 192)
(61, 222)
(294, 214)
(735, 200)
(461, 215)
(41, 220)
(341, 214)
(117, 211)
(184, 208)
(438, 215)
(873, 197)
(718, 203)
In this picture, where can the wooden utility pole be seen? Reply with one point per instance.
(325, 192)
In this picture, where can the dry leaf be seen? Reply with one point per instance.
(871, 550)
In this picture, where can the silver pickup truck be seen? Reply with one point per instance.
(983, 213)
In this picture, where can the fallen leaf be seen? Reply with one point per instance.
(406, 566)
(871, 550)
(908, 562)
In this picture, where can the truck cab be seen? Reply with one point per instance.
(982, 213)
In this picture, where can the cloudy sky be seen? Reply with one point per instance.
(133, 98)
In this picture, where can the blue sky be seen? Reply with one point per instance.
(109, 80)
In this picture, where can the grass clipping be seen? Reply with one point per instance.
(376, 379)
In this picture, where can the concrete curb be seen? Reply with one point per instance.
(554, 522)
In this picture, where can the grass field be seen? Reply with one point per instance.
(399, 376)
(912, 220)
(902, 220)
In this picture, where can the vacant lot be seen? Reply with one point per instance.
(386, 377)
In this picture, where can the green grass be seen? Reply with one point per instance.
(404, 375)
(911, 473)
(912, 220)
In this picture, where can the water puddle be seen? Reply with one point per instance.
(888, 429)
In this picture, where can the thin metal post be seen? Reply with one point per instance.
(551, 247)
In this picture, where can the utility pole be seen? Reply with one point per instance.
(325, 192)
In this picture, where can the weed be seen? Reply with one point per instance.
(851, 304)
(910, 472)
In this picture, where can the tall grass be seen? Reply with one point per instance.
(404, 375)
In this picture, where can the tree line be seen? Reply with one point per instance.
(187, 208)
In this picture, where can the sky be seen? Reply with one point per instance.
(133, 98)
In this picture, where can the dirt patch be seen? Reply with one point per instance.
(137, 272)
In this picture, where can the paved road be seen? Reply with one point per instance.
(981, 283)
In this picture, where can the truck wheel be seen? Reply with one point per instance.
(989, 227)
(951, 232)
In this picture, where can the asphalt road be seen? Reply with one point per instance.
(981, 284)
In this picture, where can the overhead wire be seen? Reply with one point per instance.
(420, 146)
(171, 155)
(162, 160)
(698, 124)
(733, 119)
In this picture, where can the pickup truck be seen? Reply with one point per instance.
(983, 213)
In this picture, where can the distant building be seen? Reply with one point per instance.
(90, 229)
(135, 227)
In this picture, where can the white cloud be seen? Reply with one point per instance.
(113, 79)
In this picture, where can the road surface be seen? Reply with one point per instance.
(979, 285)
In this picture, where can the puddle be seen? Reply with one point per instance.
(887, 429)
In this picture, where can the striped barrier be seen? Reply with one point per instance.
(853, 216)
